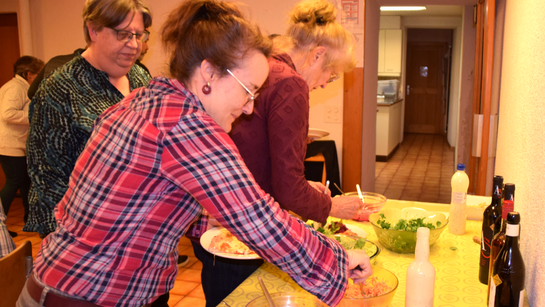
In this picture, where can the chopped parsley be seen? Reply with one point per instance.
(406, 225)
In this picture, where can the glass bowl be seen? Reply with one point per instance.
(289, 299)
(382, 275)
(373, 202)
(403, 241)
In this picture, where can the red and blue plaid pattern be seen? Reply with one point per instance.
(151, 166)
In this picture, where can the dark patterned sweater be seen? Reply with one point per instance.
(61, 117)
(272, 141)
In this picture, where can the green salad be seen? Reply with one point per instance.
(335, 231)
(406, 225)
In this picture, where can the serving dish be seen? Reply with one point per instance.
(404, 241)
(381, 275)
(314, 133)
(289, 299)
(372, 202)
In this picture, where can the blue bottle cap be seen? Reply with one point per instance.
(460, 167)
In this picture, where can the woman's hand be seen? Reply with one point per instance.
(345, 207)
(359, 265)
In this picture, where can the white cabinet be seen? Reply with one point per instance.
(388, 129)
(389, 52)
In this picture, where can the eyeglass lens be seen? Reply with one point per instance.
(126, 36)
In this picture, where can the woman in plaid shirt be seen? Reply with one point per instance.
(161, 158)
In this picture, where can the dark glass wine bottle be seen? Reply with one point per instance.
(509, 192)
(508, 275)
(499, 239)
(491, 226)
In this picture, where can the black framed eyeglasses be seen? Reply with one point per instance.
(333, 77)
(125, 36)
(252, 96)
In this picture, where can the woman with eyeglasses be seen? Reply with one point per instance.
(72, 97)
(159, 162)
(315, 50)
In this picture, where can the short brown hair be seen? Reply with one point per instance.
(111, 13)
(26, 64)
(209, 30)
(313, 23)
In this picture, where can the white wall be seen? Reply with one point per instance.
(521, 136)
(57, 28)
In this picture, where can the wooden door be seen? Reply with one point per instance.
(424, 108)
(9, 52)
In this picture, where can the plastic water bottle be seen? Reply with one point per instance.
(458, 205)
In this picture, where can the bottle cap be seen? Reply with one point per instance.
(509, 191)
(497, 187)
(513, 218)
(460, 167)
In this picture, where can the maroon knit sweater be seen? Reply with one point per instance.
(272, 141)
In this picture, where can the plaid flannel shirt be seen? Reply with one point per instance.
(151, 166)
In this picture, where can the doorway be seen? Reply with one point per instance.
(427, 81)
(10, 46)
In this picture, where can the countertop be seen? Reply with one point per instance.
(389, 104)
(455, 259)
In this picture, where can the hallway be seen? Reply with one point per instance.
(420, 170)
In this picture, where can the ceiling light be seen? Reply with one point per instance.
(402, 8)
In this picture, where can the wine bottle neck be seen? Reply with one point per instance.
(513, 230)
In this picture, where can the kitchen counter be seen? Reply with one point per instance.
(455, 259)
(389, 104)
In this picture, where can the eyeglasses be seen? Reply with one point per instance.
(126, 36)
(333, 77)
(252, 96)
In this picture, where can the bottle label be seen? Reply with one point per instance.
(521, 298)
(492, 293)
(512, 230)
(458, 198)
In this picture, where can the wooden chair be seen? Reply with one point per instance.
(13, 274)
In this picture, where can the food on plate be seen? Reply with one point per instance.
(371, 288)
(406, 225)
(346, 237)
(225, 242)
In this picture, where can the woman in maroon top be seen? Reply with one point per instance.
(272, 141)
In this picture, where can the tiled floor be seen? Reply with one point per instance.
(420, 170)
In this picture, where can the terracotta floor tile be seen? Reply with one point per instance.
(190, 275)
(183, 288)
(197, 292)
(191, 302)
(173, 299)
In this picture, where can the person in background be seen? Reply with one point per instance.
(158, 160)
(73, 96)
(143, 52)
(14, 130)
(273, 140)
(6, 242)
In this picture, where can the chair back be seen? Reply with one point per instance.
(13, 274)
